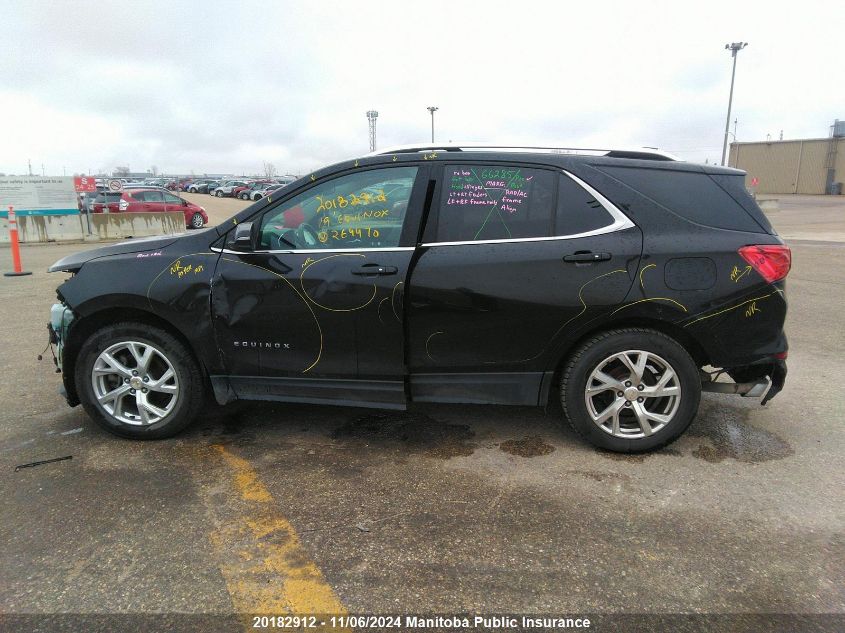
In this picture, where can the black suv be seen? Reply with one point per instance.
(624, 282)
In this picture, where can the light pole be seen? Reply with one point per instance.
(372, 115)
(734, 48)
(432, 109)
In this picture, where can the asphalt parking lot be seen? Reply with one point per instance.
(442, 509)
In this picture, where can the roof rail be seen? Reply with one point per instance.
(648, 153)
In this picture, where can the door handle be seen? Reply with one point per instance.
(584, 257)
(368, 270)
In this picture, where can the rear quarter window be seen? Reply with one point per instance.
(694, 196)
(577, 210)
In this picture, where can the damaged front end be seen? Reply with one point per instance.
(61, 316)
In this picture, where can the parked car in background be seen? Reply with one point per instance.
(149, 200)
(243, 192)
(201, 186)
(257, 194)
(227, 188)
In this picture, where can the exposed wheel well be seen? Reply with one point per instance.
(82, 330)
(688, 342)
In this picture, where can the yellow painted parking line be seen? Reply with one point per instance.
(266, 568)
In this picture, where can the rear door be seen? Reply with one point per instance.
(315, 311)
(516, 259)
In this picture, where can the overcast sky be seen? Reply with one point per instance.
(221, 87)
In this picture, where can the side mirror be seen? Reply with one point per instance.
(184, 202)
(243, 237)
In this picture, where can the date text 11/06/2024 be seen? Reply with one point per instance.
(419, 622)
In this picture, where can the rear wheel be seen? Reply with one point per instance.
(219, 194)
(138, 381)
(630, 390)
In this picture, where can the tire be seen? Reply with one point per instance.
(192, 190)
(244, 196)
(197, 221)
(624, 413)
(165, 411)
(258, 196)
(219, 194)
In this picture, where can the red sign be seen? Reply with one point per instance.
(754, 181)
(84, 183)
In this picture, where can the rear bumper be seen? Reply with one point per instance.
(778, 377)
(762, 380)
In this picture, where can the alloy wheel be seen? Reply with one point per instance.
(632, 394)
(135, 383)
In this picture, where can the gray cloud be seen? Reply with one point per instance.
(224, 86)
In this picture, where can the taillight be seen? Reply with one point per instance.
(772, 261)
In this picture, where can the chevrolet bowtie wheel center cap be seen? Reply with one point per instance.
(631, 394)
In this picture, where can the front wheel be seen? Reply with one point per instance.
(138, 381)
(630, 390)
(219, 194)
(197, 221)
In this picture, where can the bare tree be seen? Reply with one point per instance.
(121, 171)
(269, 170)
(154, 170)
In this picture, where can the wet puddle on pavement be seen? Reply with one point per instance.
(730, 435)
(416, 432)
(530, 446)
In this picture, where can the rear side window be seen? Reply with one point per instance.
(494, 202)
(735, 186)
(691, 195)
(577, 210)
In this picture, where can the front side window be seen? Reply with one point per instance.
(494, 202)
(171, 199)
(147, 196)
(360, 210)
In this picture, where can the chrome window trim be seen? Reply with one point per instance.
(620, 223)
(312, 251)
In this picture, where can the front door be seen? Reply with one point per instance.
(315, 311)
(173, 203)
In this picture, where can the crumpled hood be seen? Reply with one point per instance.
(72, 263)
